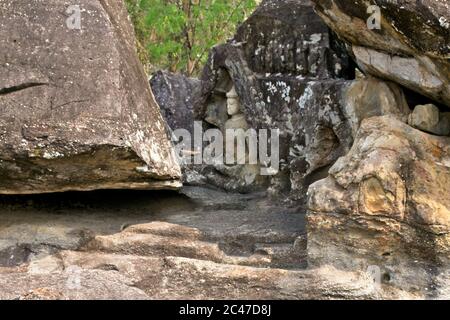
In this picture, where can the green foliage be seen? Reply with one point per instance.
(177, 34)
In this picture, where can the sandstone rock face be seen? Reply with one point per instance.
(221, 248)
(410, 46)
(428, 118)
(77, 111)
(386, 204)
(383, 204)
(330, 114)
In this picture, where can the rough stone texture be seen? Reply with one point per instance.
(124, 277)
(411, 48)
(210, 223)
(177, 97)
(329, 117)
(222, 246)
(71, 284)
(386, 204)
(274, 55)
(317, 118)
(287, 37)
(77, 112)
(429, 119)
(281, 38)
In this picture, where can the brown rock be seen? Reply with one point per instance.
(386, 204)
(411, 47)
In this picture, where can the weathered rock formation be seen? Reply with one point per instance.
(296, 78)
(386, 204)
(409, 45)
(77, 111)
(268, 65)
(329, 119)
(164, 247)
(283, 41)
(285, 70)
(376, 171)
(428, 118)
(177, 97)
(79, 115)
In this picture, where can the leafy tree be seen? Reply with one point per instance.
(177, 34)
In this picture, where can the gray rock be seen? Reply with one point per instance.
(216, 112)
(329, 117)
(177, 97)
(288, 37)
(281, 38)
(267, 67)
(77, 113)
(72, 284)
(317, 110)
(160, 246)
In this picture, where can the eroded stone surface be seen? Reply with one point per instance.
(168, 249)
(77, 113)
(385, 204)
(177, 97)
(329, 117)
(410, 47)
(428, 118)
(316, 108)
(287, 37)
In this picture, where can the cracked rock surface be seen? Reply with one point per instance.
(77, 113)
(411, 46)
(90, 246)
(386, 204)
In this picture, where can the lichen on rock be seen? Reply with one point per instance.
(77, 114)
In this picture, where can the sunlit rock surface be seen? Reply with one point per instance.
(77, 112)
(409, 45)
(386, 204)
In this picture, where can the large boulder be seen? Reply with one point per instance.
(281, 41)
(288, 37)
(410, 46)
(385, 205)
(428, 118)
(286, 70)
(77, 111)
(257, 79)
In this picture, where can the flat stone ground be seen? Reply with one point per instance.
(198, 243)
